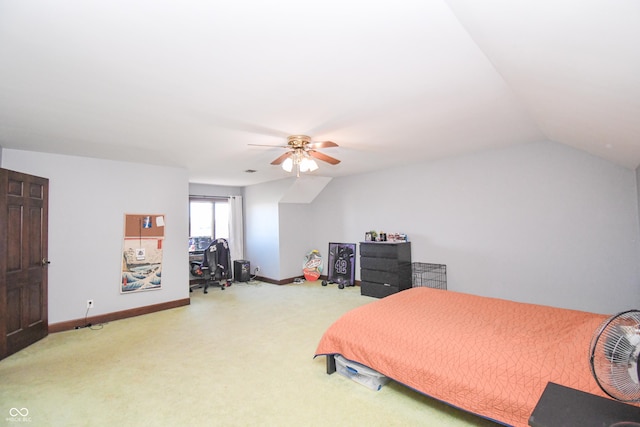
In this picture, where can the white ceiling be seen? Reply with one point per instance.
(191, 83)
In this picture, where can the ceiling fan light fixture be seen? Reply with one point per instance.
(302, 153)
(304, 165)
(287, 164)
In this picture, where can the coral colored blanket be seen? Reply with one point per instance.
(488, 356)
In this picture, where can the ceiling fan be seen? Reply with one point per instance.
(301, 154)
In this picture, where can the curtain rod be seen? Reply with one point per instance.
(202, 196)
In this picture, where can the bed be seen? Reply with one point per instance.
(487, 356)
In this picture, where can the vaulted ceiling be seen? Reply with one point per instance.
(192, 83)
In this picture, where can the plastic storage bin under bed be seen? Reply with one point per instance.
(360, 373)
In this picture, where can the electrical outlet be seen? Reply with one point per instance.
(257, 269)
(89, 303)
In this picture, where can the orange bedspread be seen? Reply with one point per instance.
(488, 356)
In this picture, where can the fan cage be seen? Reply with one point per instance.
(614, 357)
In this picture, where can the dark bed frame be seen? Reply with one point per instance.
(331, 364)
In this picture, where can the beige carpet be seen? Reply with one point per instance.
(238, 357)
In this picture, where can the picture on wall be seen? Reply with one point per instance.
(142, 253)
(342, 264)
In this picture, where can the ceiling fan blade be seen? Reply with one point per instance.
(322, 144)
(281, 158)
(269, 145)
(321, 156)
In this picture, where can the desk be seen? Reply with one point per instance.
(561, 406)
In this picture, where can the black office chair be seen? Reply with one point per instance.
(215, 267)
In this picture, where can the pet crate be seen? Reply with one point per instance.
(429, 275)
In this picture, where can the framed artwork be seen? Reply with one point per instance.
(142, 253)
(342, 264)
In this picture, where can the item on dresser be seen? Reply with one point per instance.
(397, 237)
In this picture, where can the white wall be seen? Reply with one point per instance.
(540, 223)
(262, 227)
(279, 226)
(296, 238)
(87, 202)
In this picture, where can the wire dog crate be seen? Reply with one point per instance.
(429, 275)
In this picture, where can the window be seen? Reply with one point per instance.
(208, 218)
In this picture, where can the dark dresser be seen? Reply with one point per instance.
(385, 268)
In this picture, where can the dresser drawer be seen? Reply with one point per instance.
(377, 290)
(401, 251)
(379, 250)
(377, 276)
(382, 264)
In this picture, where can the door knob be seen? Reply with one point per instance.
(45, 262)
